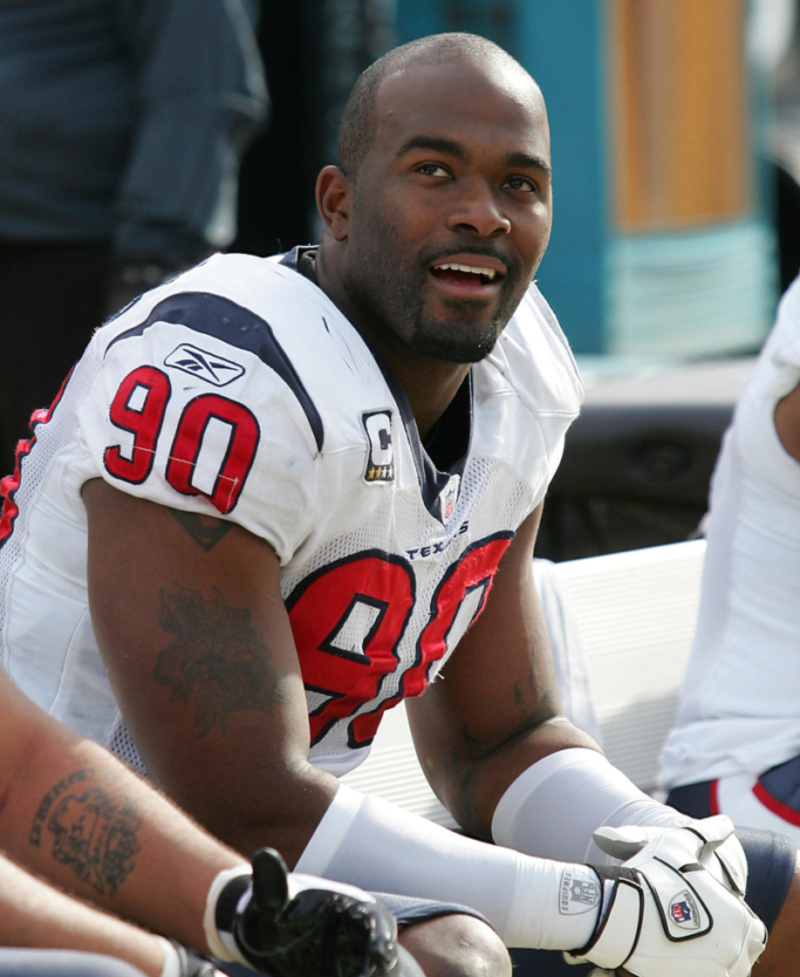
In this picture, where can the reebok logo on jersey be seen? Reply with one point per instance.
(380, 456)
(579, 891)
(206, 366)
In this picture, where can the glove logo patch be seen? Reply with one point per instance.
(684, 912)
(579, 892)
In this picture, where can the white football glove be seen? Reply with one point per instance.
(722, 853)
(664, 914)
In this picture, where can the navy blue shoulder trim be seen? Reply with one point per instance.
(215, 316)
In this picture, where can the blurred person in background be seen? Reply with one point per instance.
(122, 123)
(735, 746)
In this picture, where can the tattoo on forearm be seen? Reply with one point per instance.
(535, 704)
(94, 831)
(204, 530)
(217, 656)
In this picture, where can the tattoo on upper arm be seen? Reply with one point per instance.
(216, 655)
(94, 831)
(204, 530)
(535, 703)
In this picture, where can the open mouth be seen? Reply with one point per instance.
(466, 275)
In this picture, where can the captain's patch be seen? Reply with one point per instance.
(380, 453)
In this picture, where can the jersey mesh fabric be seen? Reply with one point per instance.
(53, 434)
(491, 499)
(121, 744)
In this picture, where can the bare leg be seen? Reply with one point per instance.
(457, 946)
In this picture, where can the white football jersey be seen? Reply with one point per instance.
(739, 706)
(239, 389)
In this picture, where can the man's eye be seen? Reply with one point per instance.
(433, 169)
(523, 183)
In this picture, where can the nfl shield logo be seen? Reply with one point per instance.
(686, 916)
(681, 912)
(448, 498)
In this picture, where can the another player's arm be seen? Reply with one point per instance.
(193, 630)
(33, 914)
(496, 709)
(73, 814)
(787, 422)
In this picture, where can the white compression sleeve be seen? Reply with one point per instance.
(371, 843)
(553, 808)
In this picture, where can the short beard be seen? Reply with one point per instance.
(430, 339)
(400, 315)
(395, 307)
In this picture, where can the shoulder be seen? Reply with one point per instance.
(783, 343)
(765, 435)
(533, 359)
(224, 389)
(246, 325)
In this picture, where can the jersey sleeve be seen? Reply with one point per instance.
(196, 406)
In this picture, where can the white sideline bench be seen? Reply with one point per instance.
(636, 613)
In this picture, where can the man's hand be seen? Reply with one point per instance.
(664, 914)
(298, 924)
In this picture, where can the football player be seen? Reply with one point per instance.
(277, 496)
(74, 817)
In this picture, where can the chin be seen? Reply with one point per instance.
(455, 349)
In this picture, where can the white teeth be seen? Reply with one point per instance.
(489, 273)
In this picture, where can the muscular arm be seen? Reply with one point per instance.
(193, 631)
(496, 709)
(71, 813)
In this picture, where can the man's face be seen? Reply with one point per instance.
(451, 210)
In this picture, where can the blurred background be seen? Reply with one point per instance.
(676, 150)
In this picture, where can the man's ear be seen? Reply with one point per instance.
(334, 197)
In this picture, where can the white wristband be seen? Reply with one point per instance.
(579, 788)
(222, 945)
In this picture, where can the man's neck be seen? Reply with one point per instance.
(429, 384)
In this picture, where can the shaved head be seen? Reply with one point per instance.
(359, 120)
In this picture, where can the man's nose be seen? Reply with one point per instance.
(478, 210)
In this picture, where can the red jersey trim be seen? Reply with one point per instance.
(713, 797)
(777, 807)
(10, 484)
